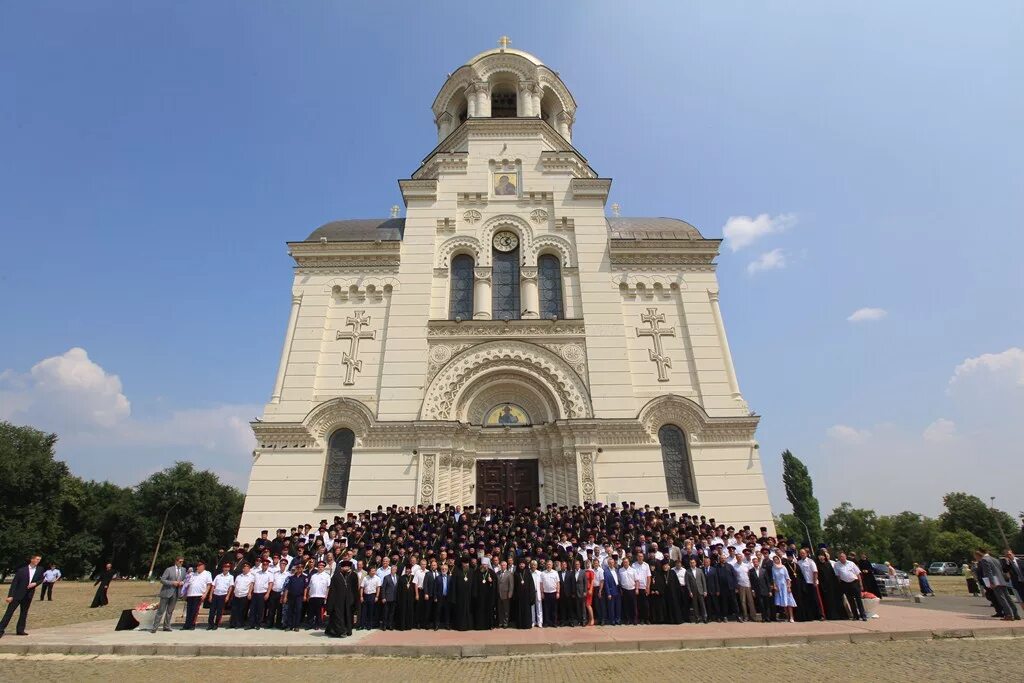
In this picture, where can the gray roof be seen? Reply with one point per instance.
(360, 230)
(621, 228)
(392, 229)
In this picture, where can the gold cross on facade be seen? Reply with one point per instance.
(504, 42)
(653, 318)
(351, 359)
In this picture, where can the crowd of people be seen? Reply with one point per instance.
(440, 567)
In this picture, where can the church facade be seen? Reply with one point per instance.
(507, 341)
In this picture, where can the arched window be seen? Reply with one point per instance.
(678, 469)
(505, 285)
(549, 276)
(339, 466)
(460, 303)
(503, 101)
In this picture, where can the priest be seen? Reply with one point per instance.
(525, 595)
(341, 602)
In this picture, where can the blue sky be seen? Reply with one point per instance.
(156, 157)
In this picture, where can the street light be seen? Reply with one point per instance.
(995, 518)
(810, 540)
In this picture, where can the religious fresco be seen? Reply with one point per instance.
(506, 415)
(506, 183)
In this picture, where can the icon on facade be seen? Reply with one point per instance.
(507, 415)
(506, 184)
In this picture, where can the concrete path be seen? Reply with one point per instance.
(895, 622)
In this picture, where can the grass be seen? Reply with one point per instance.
(71, 600)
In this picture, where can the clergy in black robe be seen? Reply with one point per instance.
(524, 597)
(462, 591)
(831, 592)
(341, 602)
(106, 575)
(676, 598)
(659, 593)
(484, 587)
(405, 609)
(867, 576)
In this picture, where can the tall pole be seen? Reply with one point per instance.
(810, 541)
(995, 517)
(159, 538)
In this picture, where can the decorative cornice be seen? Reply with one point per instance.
(418, 189)
(563, 162)
(590, 188)
(447, 163)
(282, 435)
(345, 254)
(479, 330)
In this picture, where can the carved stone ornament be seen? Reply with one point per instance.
(538, 215)
(427, 481)
(657, 354)
(351, 358)
(587, 480)
(472, 216)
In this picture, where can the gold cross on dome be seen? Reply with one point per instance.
(504, 42)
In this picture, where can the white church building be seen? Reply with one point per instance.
(511, 340)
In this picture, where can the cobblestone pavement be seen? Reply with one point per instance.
(953, 660)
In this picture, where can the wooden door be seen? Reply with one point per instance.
(501, 483)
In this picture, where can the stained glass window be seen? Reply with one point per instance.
(339, 465)
(678, 469)
(549, 275)
(505, 285)
(460, 303)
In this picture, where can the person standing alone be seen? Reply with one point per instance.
(50, 577)
(170, 581)
(20, 594)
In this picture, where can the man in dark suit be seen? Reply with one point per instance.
(1015, 568)
(23, 589)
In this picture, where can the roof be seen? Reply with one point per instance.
(506, 51)
(360, 230)
(622, 228)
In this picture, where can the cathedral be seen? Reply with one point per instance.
(511, 340)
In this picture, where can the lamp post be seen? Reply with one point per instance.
(995, 518)
(810, 540)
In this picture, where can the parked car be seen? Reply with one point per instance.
(944, 569)
(881, 573)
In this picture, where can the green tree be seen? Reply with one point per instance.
(202, 514)
(855, 530)
(965, 512)
(30, 483)
(954, 546)
(910, 538)
(788, 526)
(800, 492)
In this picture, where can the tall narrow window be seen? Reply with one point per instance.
(549, 274)
(678, 469)
(460, 304)
(505, 285)
(339, 466)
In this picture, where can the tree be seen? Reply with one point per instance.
(910, 538)
(969, 513)
(788, 526)
(202, 514)
(954, 546)
(855, 530)
(800, 492)
(30, 483)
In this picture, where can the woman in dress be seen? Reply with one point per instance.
(590, 592)
(783, 588)
(106, 575)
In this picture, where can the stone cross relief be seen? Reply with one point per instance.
(654, 319)
(351, 359)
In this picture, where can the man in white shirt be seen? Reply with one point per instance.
(538, 604)
(627, 588)
(643, 588)
(316, 595)
(262, 578)
(808, 595)
(550, 593)
(197, 590)
(848, 574)
(597, 599)
(384, 569)
(50, 577)
(275, 607)
(744, 593)
(369, 589)
(241, 591)
(221, 587)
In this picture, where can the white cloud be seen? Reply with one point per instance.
(867, 314)
(742, 231)
(940, 431)
(101, 438)
(770, 260)
(1008, 364)
(847, 434)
